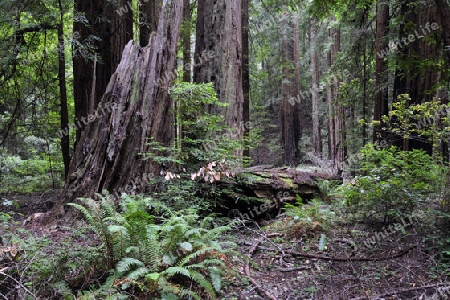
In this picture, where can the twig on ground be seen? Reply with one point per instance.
(400, 291)
(18, 283)
(247, 271)
(294, 269)
(306, 255)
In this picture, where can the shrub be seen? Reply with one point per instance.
(391, 183)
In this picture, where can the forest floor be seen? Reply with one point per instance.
(351, 264)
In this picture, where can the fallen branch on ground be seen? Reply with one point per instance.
(247, 271)
(306, 255)
(401, 291)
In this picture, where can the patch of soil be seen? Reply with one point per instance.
(398, 267)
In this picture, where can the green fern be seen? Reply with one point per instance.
(177, 258)
(197, 277)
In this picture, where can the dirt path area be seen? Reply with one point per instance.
(348, 267)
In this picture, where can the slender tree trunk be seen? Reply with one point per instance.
(340, 137)
(316, 134)
(136, 106)
(381, 92)
(246, 71)
(65, 143)
(296, 85)
(186, 34)
(287, 115)
(331, 112)
(218, 56)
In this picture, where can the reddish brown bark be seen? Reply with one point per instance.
(218, 56)
(316, 132)
(108, 156)
(381, 92)
(106, 31)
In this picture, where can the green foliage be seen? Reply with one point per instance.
(315, 213)
(391, 183)
(429, 121)
(47, 268)
(35, 173)
(180, 256)
(326, 188)
(198, 129)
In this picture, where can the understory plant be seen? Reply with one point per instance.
(315, 213)
(175, 257)
(391, 183)
(42, 268)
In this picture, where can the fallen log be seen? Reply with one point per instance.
(268, 188)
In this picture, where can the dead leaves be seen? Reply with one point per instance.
(211, 173)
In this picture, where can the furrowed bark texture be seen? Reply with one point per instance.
(134, 108)
(218, 55)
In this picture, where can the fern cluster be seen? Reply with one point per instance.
(180, 257)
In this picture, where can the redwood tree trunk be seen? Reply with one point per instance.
(340, 136)
(148, 16)
(444, 13)
(65, 143)
(245, 70)
(381, 92)
(218, 56)
(134, 108)
(330, 108)
(287, 111)
(316, 133)
(107, 30)
(187, 55)
(296, 85)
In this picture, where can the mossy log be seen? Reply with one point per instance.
(270, 188)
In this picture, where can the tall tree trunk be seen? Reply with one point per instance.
(340, 137)
(287, 111)
(412, 76)
(107, 30)
(444, 13)
(148, 18)
(331, 112)
(65, 143)
(296, 86)
(135, 107)
(218, 56)
(245, 71)
(381, 43)
(316, 133)
(186, 34)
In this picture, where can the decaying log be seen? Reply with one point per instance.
(268, 186)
